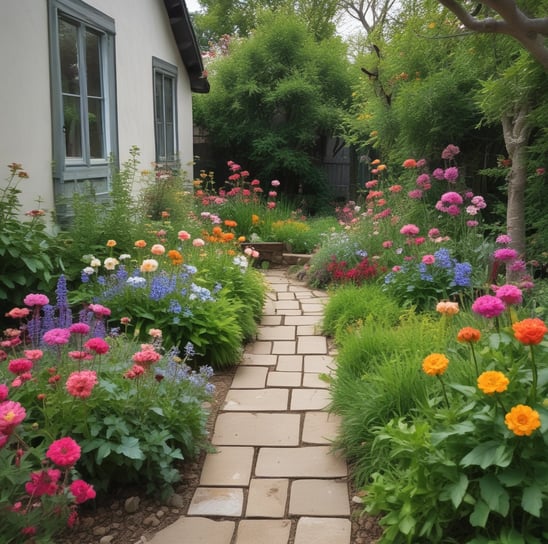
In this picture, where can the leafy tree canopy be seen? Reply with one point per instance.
(274, 97)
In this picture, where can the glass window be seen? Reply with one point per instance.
(165, 112)
(83, 95)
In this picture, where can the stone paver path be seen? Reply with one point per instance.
(273, 478)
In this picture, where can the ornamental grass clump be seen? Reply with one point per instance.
(479, 472)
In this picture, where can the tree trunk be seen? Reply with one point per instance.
(516, 129)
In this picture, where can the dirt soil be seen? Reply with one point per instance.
(109, 522)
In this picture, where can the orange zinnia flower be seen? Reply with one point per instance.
(530, 331)
(175, 256)
(254, 219)
(111, 243)
(140, 243)
(492, 381)
(230, 223)
(468, 334)
(435, 364)
(522, 420)
(410, 163)
(217, 231)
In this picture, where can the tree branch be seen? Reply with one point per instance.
(531, 33)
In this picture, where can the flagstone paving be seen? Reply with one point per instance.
(273, 478)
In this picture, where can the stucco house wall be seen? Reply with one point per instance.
(142, 31)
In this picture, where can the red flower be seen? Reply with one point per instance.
(82, 491)
(43, 482)
(64, 452)
(98, 345)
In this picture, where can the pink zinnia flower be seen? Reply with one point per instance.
(20, 366)
(387, 244)
(433, 233)
(415, 194)
(33, 354)
(44, 482)
(256, 182)
(409, 230)
(472, 224)
(56, 337)
(472, 210)
(157, 249)
(518, 266)
(99, 309)
(420, 240)
(183, 235)
(395, 188)
(80, 384)
(147, 357)
(98, 345)
(509, 294)
(438, 174)
(505, 254)
(479, 202)
(82, 491)
(198, 242)
(371, 184)
(449, 152)
(488, 306)
(64, 452)
(11, 414)
(79, 328)
(504, 239)
(80, 355)
(4, 391)
(275, 183)
(453, 210)
(36, 300)
(423, 180)
(451, 198)
(18, 313)
(451, 174)
(271, 205)
(134, 372)
(428, 259)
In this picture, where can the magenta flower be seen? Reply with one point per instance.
(438, 174)
(415, 194)
(82, 491)
(20, 366)
(44, 482)
(64, 452)
(433, 233)
(450, 152)
(509, 294)
(452, 210)
(36, 300)
(504, 239)
(79, 328)
(429, 259)
(422, 180)
(387, 244)
(56, 337)
(472, 224)
(33, 354)
(488, 306)
(98, 345)
(4, 391)
(99, 309)
(409, 230)
(505, 254)
(518, 266)
(452, 198)
(451, 174)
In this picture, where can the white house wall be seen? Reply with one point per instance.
(142, 32)
(25, 113)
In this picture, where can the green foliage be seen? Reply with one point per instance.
(29, 256)
(273, 98)
(351, 306)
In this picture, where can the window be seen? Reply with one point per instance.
(83, 95)
(165, 112)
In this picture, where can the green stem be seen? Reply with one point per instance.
(443, 390)
(533, 393)
(474, 358)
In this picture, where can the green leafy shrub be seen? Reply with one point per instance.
(28, 254)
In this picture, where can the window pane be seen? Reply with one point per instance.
(72, 126)
(168, 99)
(170, 142)
(68, 52)
(95, 120)
(158, 98)
(93, 64)
(160, 143)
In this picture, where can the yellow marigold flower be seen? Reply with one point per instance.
(448, 308)
(241, 239)
(492, 381)
(435, 364)
(469, 335)
(111, 243)
(254, 219)
(522, 420)
(530, 331)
